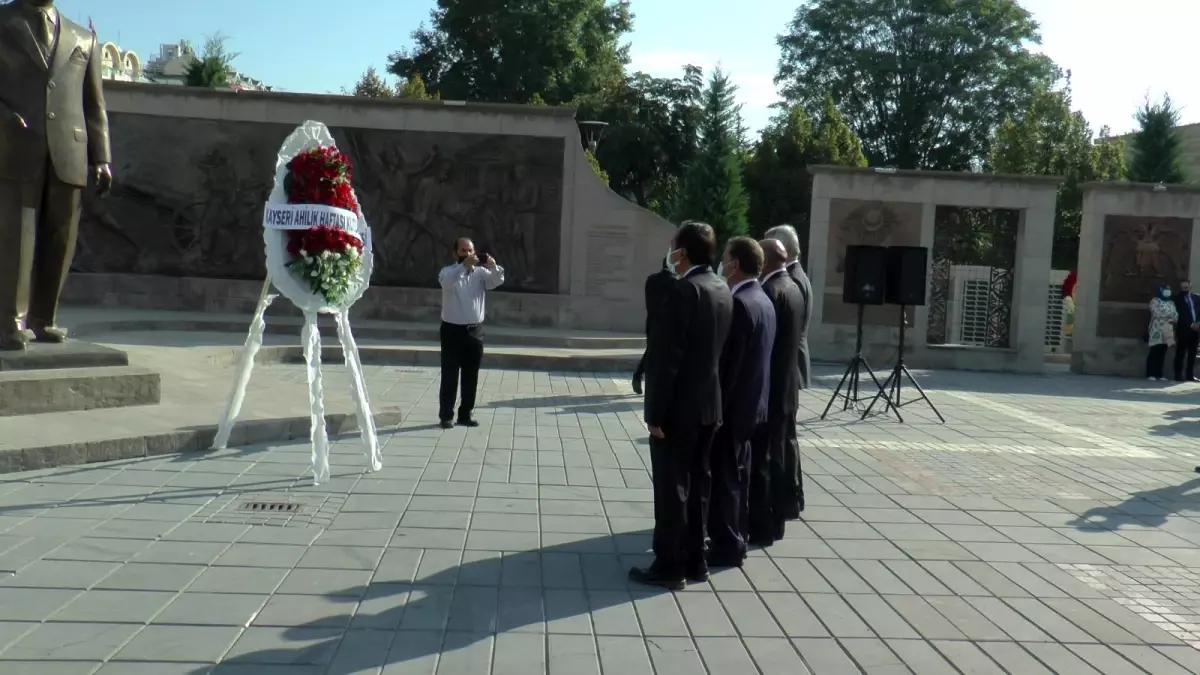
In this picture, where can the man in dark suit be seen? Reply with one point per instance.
(776, 494)
(786, 235)
(658, 286)
(1187, 336)
(683, 407)
(745, 374)
(53, 128)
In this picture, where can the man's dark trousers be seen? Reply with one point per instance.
(682, 483)
(774, 478)
(729, 507)
(462, 352)
(1186, 341)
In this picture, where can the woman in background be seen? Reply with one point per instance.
(1161, 334)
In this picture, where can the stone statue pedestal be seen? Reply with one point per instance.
(71, 376)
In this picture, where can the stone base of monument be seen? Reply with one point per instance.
(72, 376)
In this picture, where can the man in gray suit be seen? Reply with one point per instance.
(53, 128)
(786, 235)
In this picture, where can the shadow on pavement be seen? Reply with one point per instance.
(409, 621)
(1148, 508)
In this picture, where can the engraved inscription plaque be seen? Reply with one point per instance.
(609, 262)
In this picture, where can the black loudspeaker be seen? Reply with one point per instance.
(905, 282)
(864, 278)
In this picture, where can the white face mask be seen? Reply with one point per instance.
(671, 265)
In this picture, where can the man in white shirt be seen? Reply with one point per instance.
(464, 285)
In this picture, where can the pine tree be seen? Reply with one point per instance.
(1157, 155)
(371, 85)
(712, 183)
(414, 88)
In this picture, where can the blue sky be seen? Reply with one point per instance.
(1118, 55)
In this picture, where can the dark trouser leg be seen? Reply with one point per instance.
(451, 340)
(57, 230)
(790, 446)
(1190, 355)
(1180, 353)
(671, 463)
(19, 204)
(760, 523)
(640, 373)
(783, 477)
(472, 356)
(1154, 361)
(699, 493)
(728, 507)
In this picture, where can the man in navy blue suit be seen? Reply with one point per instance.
(745, 374)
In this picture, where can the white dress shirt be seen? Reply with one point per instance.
(738, 285)
(772, 275)
(463, 292)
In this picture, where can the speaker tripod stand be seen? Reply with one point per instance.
(890, 391)
(851, 397)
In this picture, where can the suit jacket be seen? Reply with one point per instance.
(1183, 326)
(62, 101)
(746, 359)
(797, 273)
(683, 354)
(658, 287)
(789, 319)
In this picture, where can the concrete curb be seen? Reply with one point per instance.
(188, 440)
(32, 392)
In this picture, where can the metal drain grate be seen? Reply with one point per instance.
(270, 507)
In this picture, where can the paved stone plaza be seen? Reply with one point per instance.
(1048, 527)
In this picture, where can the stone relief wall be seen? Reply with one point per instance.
(189, 194)
(1139, 254)
(855, 222)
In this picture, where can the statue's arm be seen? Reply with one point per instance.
(94, 112)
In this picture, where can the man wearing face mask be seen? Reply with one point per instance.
(1187, 338)
(658, 286)
(776, 493)
(683, 407)
(745, 374)
(464, 285)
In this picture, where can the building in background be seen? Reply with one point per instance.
(119, 65)
(171, 64)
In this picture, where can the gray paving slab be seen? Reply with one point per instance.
(1051, 526)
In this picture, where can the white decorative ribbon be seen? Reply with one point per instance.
(358, 391)
(311, 336)
(253, 342)
(304, 216)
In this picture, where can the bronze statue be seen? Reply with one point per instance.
(53, 127)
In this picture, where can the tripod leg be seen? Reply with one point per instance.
(913, 381)
(852, 389)
(841, 384)
(879, 386)
(875, 398)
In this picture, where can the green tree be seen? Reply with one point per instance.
(595, 164)
(214, 67)
(509, 50)
(712, 188)
(1157, 155)
(414, 88)
(652, 135)
(371, 85)
(923, 83)
(777, 178)
(1049, 139)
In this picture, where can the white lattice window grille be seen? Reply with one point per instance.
(1055, 314)
(975, 305)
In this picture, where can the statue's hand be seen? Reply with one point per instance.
(104, 178)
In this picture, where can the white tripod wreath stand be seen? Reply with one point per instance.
(308, 135)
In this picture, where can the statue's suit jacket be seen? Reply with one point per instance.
(61, 101)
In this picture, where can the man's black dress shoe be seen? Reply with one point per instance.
(467, 422)
(447, 424)
(654, 576)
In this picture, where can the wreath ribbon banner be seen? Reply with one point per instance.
(305, 216)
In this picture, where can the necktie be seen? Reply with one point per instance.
(47, 32)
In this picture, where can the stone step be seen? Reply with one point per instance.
(506, 358)
(70, 354)
(93, 322)
(36, 391)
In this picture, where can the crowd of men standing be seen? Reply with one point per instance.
(726, 356)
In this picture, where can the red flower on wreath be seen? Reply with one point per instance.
(321, 176)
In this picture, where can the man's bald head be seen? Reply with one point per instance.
(774, 255)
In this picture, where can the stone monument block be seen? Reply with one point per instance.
(71, 376)
(1139, 254)
(859, 222)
